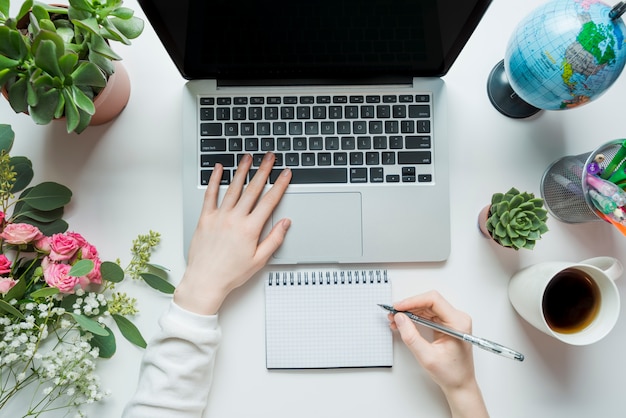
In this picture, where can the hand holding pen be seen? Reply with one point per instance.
(449, 361)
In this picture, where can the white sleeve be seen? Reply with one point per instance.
(177, 367)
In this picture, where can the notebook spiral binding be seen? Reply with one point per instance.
(326, 278)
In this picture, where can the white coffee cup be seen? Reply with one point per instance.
(577, 303)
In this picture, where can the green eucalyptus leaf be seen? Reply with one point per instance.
(7, 136)
(112, 272)
(8, 308)
(43, 216)
(105, 343)
(23, 168)
(48, 196)
(44, 292)
(158, 283)
(89, 325)
(129, 331)
(81, 268)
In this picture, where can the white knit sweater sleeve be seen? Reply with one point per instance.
(177, 367)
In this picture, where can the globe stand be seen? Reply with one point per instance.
(503, 98)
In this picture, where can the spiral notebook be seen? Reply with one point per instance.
(327, 319)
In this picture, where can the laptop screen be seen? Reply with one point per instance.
(319, 39)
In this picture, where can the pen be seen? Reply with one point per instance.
(480, 342)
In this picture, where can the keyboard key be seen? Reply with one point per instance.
(425, 178)
(307, 100)
(332, 143)
(299, 144)
(319, 112)
(316, 143)
(314, 175)
(205, 175)
(231, 129)
(225, 101)
(407, 126)
(376, 127)
(340, 99)
(235, 144)
(389, 158)
(356, 158)
(358, 175)
(295, 128)
(239, 113)
(392, 178)
(376, 175)
(423, 126)
(267, 144)
(356, 99)
(343, 127)
(423, 98)
(212, 145)
(211, 129)
(263, 128)
(209, 160)
(383, 111)
(367, 112)
(247, 129)
(396, 142)
(372, 158)
(279, 128)
(348, 142)
(406, 98)
(207, 113)
(290, 100)
(352, 112)
(335, 112)
(419, 111)
(308, 159)
(207, 101)
(252, 144)
(255, 113)
(222, 113)
(390, 99)
(364, 142)
(292, 159)
(414, 157)
(399, 111)
(283, 144)
(340, 158)
(303, 112)
(324, 158)
(372, 99)
(359, 127)
(380, 142)
(287, 112)
(311, 128)
(416, 142)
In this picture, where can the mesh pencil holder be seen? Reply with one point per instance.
(564, 187)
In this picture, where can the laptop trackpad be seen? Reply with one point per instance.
(324, 226)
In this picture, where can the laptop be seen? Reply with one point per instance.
(347, 93)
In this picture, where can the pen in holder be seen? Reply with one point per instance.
(570, 187)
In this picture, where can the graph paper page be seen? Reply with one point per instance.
(327, 319)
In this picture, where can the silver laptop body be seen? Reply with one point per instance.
(375, 204)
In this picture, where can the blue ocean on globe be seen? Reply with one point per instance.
(565, 53)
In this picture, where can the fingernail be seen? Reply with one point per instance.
(286, 172)
(268, 156)
(286, 224)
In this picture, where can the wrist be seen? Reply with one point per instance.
(466, 400)
(204, 300)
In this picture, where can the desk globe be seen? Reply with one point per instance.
(562, 55)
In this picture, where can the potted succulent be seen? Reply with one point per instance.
(55, 60)
(514, 219)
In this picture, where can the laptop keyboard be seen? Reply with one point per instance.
(322, 139)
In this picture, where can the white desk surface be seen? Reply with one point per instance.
(126, 179)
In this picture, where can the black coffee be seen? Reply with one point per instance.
(571, 301)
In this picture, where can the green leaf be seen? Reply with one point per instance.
(17, 96)
(158, 283)
(111, 272)
(123, 13)
(23, 168)
(44, 292)
(4, 8)
(89, 325)
(26, 6)
(81, 268)
(44, 216)
(17, 291)
(158, 270)
(82, 101)
(129, 331)
(105, 343)
(130, 28)
(7, 136)
(67, 63)
(47, 53)
(99, 45)
(7, 63)
(5, 306)
(44, 111)
(72, 117)
(48, 196)
(88, 74)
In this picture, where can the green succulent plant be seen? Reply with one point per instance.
(55, 60)
(516, 220)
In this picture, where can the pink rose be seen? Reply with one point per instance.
(95, 276)
(6, 284)
(88, 251)
(56, 275)
(43, 244)
(20, 233)
(78, 237)
(5, 264)
(62, 247)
